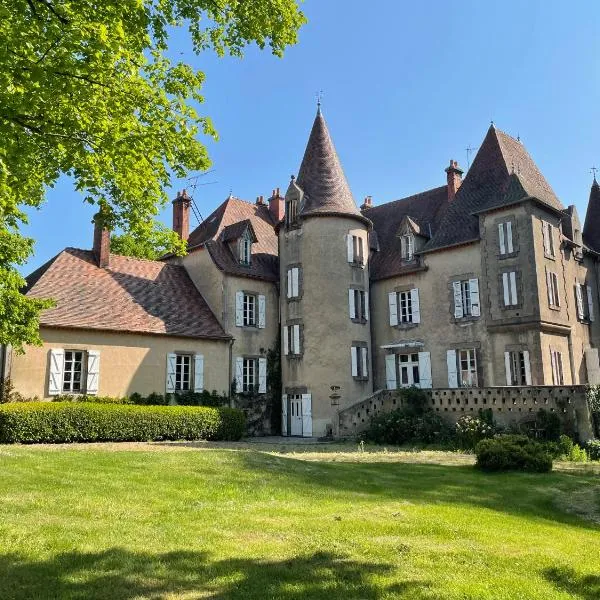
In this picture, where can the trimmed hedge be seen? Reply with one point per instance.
(57, 422)
(513, 453)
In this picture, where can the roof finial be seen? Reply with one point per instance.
(593, 170)
(319, 96)
(492, 123)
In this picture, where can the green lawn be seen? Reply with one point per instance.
(175, 521)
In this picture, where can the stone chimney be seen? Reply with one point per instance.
(454, 176)
(368, 203)
(277, 206)
(260, 201)
(181, 215)
(101, 241)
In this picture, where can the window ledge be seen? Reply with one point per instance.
(556, 308)
(550, 257)
(360, 378)
(508, 255)
(404, 326)
(359, 321)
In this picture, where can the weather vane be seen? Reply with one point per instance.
(593, 170)
(319, 97)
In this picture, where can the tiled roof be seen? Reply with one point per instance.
(227, 218)
(322, 178)
(501, 174)
(132, 295)
(237, 230)
(424, 209)
(591, 227)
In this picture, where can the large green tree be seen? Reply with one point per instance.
(87, 89)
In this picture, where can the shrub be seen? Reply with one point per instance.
(94, 399)
(56, 422)
(471, 430)
(593, 449)
(513, 453)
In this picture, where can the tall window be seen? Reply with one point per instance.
(357, 247)
(73, 372)
(465, 292)
(585, 302)
(360, 364)
(291, 340)
(249, 310)
(466, 298)
(548, 237)
(467, 362)
(183, 373)
(407, 245)
(518, 366)
(505, 238)
(556, 363)
(509, 288)
(249, 378)
(357, 300)
(405, 307)
(245, 249)
(293, 282)
(552, 284)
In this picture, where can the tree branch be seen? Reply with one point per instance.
(51, 8)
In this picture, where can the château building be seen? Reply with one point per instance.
(481, 282)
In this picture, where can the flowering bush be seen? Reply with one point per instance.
(471, 430)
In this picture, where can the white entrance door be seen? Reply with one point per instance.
(295, 412)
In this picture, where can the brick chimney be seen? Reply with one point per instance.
(368, 203)
(454, 176)
(101, 241)
(277, 206)
(181, 215)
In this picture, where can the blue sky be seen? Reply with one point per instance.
(407, 86)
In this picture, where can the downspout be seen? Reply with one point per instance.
(229, 379)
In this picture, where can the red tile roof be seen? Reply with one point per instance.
(132, 295)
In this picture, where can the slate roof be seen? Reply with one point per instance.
(424, 209)
(502, 173)
(591, 227)
(227, 219)
(321, 177)
(132, 295)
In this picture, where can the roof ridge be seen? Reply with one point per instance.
(407, 198)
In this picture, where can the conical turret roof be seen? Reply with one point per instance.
(591, 228)
(322, 178)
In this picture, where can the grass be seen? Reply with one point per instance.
(242, 521)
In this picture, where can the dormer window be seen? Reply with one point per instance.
(245, 249)
(407, 243)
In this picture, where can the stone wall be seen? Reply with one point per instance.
(509, 405)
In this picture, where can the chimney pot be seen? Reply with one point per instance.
(101, 240)
(276, 206)
(181, 215)
(454, 178)
(368, 203)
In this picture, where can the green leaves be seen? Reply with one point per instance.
(87, 89)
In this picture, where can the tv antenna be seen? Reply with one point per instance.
(469, 151)
(193, 186)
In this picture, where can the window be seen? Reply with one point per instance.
(360, 365)
(183, 373)
(548, 237)
(293, 282)
(407, 247)
(505, 238)
(249, 310)
(509, 288)
(552, 283)
(358, 305)
(557, 367)
(466, 298)
(518, 371)
(408, 369)
(249, 377)
(467, 363)
(245, 249)
(73, 373)
(291, 340)
(585, 302)
(356, 250)
(404, 307)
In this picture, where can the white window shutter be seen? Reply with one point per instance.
(295, 282)
(198, 373)
(425, 370)
(350, 246)
(416, 307)
(474, 289)
(452, 369)
(262, 312)
(549, 286)
(590, 300)
(354, 360)
(351, 304)
(367, 313)
(505, 289)
(507, 368)
(458, 306)
(527, 367)
(390, 371)
(55, 375)
(93, 372)
(239, 309)
(513, 287)
(171, 368)
(393, 304)
(296, 329)
(509, 237)
(239, 374)
(284, 403)
(306, 415)
(262, 375)
(286, 348)
(365, 364)
(579, 297)
(290, 289)
(501, 238)
(545, 237)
